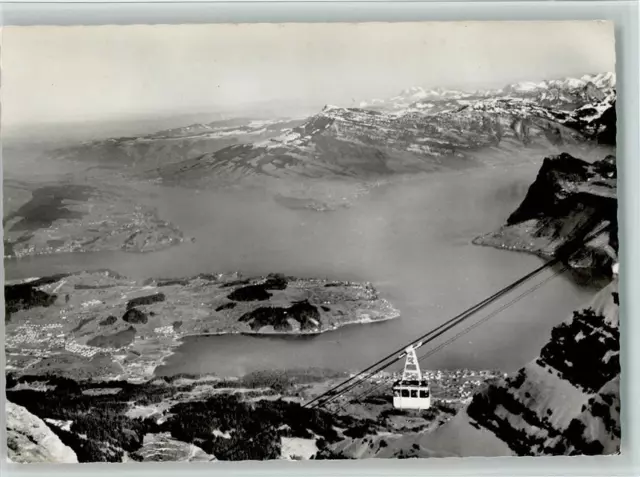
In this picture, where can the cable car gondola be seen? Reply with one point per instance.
(412, 391)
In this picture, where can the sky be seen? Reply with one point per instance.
(65, 75)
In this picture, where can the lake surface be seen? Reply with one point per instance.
(412, 240)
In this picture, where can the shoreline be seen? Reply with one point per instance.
(180, 341)
(263, 334)
(482, 241)
(487, 240)
(156, 340)
(365, 188)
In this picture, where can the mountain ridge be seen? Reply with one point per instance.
(365, 144)
(370, 143)
(549, 89)
(566, 193)
(175, 144)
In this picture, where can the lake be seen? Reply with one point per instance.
(412, 240)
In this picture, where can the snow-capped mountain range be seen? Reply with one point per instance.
(418, 131)
(566, 92)
(373, 142)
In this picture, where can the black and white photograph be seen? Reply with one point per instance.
(310, 241)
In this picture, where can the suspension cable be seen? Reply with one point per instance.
(563, 252)
(431, 334)
(467, 330)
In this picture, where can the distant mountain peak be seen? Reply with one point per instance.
(606, 80)
(331, 107)
(570, 91)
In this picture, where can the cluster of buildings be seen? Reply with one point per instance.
(51, 337)
(29, 333)
(448, 386)
(164, 330)
(82, 350)
(458, 385)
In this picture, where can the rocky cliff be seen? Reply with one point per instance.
(567, 193)
(29, 439)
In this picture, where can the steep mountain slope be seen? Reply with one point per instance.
(567, 193)
(29, 439)
(544, 408)
(565, 402)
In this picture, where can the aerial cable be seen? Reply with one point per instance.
(467, 330)
(563, 252)
(431, 339)
(434, 333)
(396, 355)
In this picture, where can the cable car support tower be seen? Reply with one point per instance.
(412, 391)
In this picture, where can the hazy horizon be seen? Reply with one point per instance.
(120, 74)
